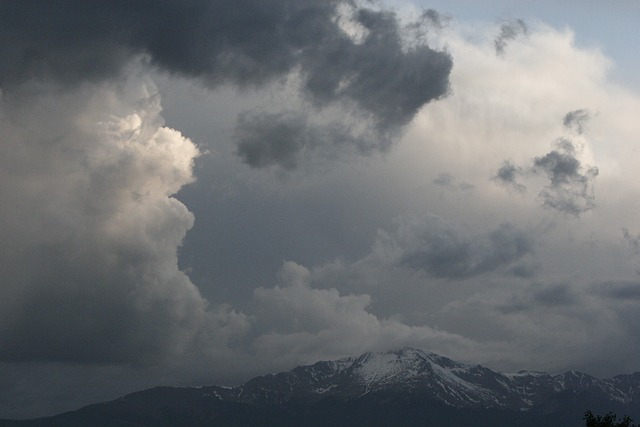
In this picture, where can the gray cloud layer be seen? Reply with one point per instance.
(285, 139)
(431, 245)
(443, 253)
(247, 43)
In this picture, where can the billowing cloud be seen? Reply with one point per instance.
(246, 43)
(304, 322)
(87, 188)
(90, 171)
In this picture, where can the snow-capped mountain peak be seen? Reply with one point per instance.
(412, 384)
(433, 376)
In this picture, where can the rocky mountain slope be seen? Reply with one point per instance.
(402, 388)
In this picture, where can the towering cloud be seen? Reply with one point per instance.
(90, 273)
(89, 170)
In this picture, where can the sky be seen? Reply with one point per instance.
(198, 192)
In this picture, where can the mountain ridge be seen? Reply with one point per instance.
(406, 381)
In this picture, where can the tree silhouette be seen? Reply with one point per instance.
(609, 420)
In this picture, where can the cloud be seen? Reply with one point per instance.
(243, 42)
(267, 139)
(307, 323)
(87, 184)
(449, 182)
(595, 325)
(577, 119)
(445, 254)
(431, 245)
(508, 174)
(628, 291)
(632, 242)
(509, 31)
(90, 170)
(570, 189)
(540, 296)
(378, 74)
(246, 43)
(287, 139)
(560, 165)
(92, 231)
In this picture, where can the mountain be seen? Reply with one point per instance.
(408, 387)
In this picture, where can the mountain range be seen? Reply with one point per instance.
(408, 387)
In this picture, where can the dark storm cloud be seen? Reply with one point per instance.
(285, 139)
(378, 74)
(267, 139)
(384, 79)
(508, 174)
(570, 188)
(90, 274)
(576, 120)
(442, 252)
(508, 32)
(245, 42)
